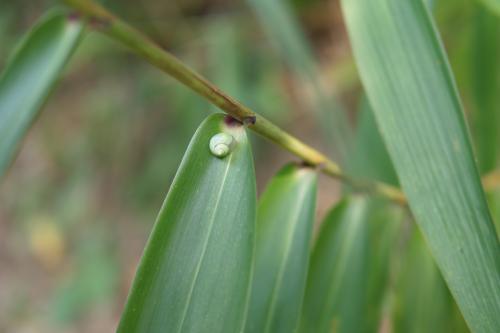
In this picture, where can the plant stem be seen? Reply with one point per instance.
(115, 28)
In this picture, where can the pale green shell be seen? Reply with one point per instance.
(221, 144)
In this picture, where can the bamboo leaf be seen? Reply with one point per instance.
(286, 34)
(225, 57)
(492, 5)
(30, 75)
(369, 158)
(384, 228)
(410, 87)
(430, 4)
(284, 224)
(239, 69)
(349, 268)
(195, 272)
(486, 84)
(423, 303)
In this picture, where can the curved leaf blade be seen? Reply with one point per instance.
(485, 69)
(409, 84)
(349, 268)
(369, 158)
(283, 28)
(195, 272)
(30, 75)
(423, 303)
(492, 5)
(284, 225)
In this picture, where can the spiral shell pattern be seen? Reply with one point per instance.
(221, 144)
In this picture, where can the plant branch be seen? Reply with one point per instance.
(115, 28)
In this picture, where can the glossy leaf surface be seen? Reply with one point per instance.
(195, 272)
(30, 75)
(349, 269)
(422, 300)
(492, 5)
(285, 220)
(369, 158)
(408, 81)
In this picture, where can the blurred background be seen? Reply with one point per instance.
(77, 205)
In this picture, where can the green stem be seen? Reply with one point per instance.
(115, 28)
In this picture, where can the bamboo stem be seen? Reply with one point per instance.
(115, 28)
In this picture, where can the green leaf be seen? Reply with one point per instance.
(492, 5)
(369, 158)
(385, 223)
(30, 75)
(195, 272)
(284, 225)
(286, 34)
(348, 272)
(422, 300)
(410, 87)
(239, 68)
(486, 85)
(225, 56)
(430, 4)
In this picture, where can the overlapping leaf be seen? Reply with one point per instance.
(30, 75)
(225, 57)
(369, 158)
(410, 87)
(284, 224)
(195, 272)
(492, 5)
(280, 23)
(349, 269)
(486, 85)
(422, 300)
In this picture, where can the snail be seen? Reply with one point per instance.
(221, 144)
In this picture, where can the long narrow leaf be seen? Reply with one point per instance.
(369, 158)
(422, 300)
(409, 84)
(285, 32)
(486, 87)
(385, 223)
(284, 224)
(492, 5)
(430, 4)
(195, 272)
(349, 269)
(30, 75)
(225, 56)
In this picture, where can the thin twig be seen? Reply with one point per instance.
(107, 23)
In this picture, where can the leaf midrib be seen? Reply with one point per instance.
(281, 271)
(205, 245)
(342, 259)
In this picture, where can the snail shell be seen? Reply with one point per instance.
(221, 144)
